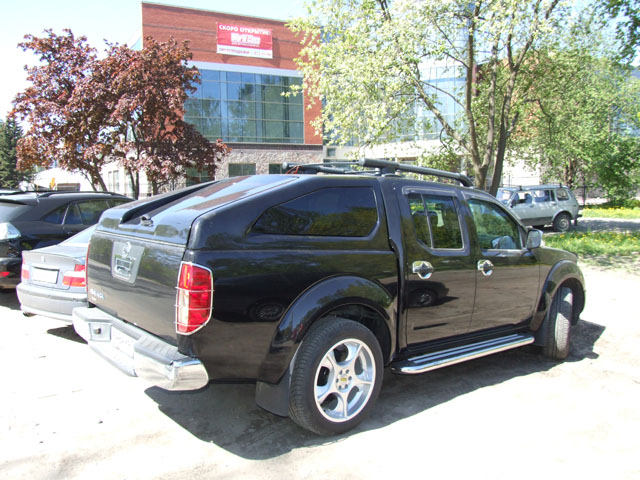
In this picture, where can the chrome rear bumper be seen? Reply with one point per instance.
(138, 353)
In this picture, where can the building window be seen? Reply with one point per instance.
(240, 169)
(195, 176)
(275, 168)
(246, 108)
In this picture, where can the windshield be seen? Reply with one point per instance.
(504, 195)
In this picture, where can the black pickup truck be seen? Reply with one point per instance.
(310, 285)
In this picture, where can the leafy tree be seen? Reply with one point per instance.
(581, 113)
(85, 112)
(369, 61)
(61, 130)
(10, 176)
(627, 15)
(148, 89)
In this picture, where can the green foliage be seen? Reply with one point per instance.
(10, 176)
(610, 211)
(627, 13)
(370, 63)
(581, 107)
(596, 243)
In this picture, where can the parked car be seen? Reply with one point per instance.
(33, 220)
(53, 278)
(542, 205)
(310, 285)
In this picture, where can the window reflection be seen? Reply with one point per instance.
(246, 107)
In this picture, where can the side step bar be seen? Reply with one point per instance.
(451, 356)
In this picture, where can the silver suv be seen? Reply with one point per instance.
(542, 205)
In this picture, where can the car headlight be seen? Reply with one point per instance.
(8, 231)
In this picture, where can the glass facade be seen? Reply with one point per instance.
(418, 123)
(246, 108)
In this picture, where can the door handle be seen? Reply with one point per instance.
(423, 269)
(486, 267)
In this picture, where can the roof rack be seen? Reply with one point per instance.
(380, 167)
(57, 192)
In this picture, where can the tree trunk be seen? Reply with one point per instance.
(135, 183)
(479, 173)
(97, 183)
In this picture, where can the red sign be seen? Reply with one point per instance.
(244, 41)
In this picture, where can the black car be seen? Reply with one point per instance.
(310, 284)
(31, 220)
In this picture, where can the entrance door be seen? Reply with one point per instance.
(439, 264)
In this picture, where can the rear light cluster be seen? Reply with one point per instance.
(75, 278)
(24, 276)
(195, 298)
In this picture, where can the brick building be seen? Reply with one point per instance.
(246, 64)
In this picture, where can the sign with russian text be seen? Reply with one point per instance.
(244, 41)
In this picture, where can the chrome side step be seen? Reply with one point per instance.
(451, 356)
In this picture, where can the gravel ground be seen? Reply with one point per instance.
(68, 414)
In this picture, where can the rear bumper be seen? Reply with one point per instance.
(49, 301)
(138, 353)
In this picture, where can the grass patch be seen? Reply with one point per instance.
(596, 243)
(625, 209)
(615, 212)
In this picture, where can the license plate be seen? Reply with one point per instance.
(122, 342)
(44, 276)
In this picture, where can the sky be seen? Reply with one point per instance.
(118, 21)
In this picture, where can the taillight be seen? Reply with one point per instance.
(86, 264)
(24, 275)
(195, 298)
(75, 278)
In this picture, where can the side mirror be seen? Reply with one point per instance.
(512, 203)
(534, 239)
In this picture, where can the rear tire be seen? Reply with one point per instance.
(562, 222)
(558, 325)
(336, 377)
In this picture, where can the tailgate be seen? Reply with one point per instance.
(135, 280)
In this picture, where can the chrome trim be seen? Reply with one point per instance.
(451, 356)
(149, 357)
(175, 321)
(486, 267)
(423, 269)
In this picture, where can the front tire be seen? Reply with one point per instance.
(558, 325)
(336, 377)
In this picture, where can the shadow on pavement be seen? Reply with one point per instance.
(226, 415)
(67, 332)
(9, 299)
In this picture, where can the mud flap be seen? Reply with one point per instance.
(274, 398)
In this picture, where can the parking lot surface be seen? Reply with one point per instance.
(66, 413)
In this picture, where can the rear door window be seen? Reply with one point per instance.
(73, 215)
(435, 218)
(55, 216)
(91, 210)
(335, 212)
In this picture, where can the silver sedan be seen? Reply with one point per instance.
(53, 278)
